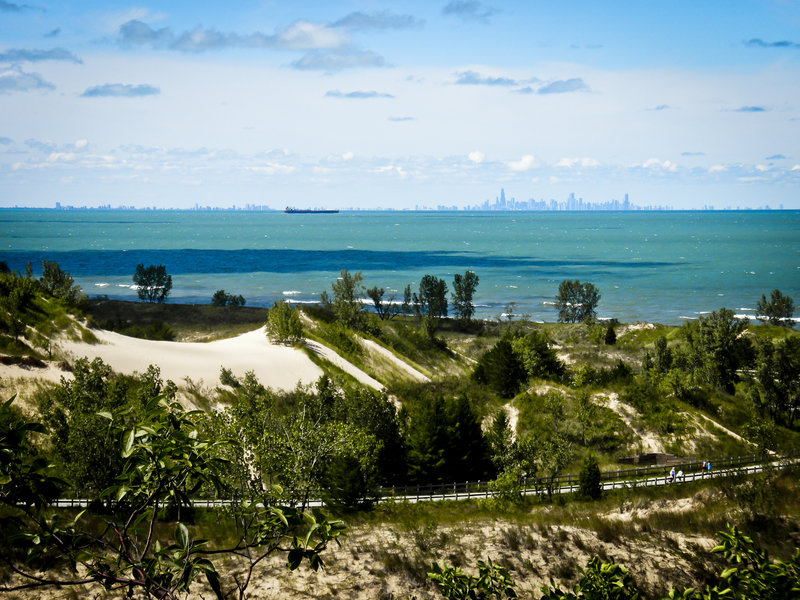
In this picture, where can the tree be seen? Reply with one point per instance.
(283, 324)
(82, 448)
(431, 302)
(538, 356)
(718, 348)
(777, 378)
(463, 289)
(222, 298)
(576, 301)
(152, 282)
(585, 412)
(347, 294)
(589, 478)
(59, 283)
(501, 369)
(778, 310)
(385, 310)
(166, 460)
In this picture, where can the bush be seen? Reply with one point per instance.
(283, 324)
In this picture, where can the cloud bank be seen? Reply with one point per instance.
(120, 90)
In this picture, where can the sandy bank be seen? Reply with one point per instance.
(276, 366)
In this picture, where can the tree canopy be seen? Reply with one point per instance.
(283, 324)
(152, 282)
(778, 310)
(347, 295)
(576, 301)
(464, 287)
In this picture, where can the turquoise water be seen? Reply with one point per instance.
(659, 266)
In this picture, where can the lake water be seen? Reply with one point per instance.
(657, 266)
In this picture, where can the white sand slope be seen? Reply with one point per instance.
(275, 366)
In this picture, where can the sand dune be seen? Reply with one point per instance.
(276, 366)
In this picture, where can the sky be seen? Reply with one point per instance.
(367, 104)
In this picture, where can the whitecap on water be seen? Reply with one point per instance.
(291, 293)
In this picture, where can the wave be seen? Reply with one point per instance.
(291, 293)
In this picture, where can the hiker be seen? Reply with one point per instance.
(679, 476)
(671, 477)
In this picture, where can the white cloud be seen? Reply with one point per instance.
(476, 156)
(762, 168)
(717, 169)
(526, 163)
(348, 156)
(796, 168)
(584, 162)
(303, 35)
(655, 163)
(81, 144)
(14, 79)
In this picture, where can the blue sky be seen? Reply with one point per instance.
(364, 103)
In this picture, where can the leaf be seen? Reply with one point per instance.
(127, 443)
(105, 414)
(294, 558)
(182, 535)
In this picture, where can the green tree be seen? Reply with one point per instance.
(585, 412)
(385, 310)
(464, 287)
(152, 282)
(589, 478)
(59, 283)
(166, 458)
(718, 348)
(610, 337)
(538, 356)
(576, 301)
(501, 369)
(283, 324)
(777, 378)
(83, 450)
(778, 310)
(431, 302)
(222, 298)
(500, 440)
(347, 295)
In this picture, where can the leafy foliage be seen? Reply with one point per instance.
(385, 310)
(58, 283)
(347, 294)
(82, 446)
(222, 298)
(431, 302)
(576, 301)
(493, 581)
(501, 369)
(538, 356)
(589, 481)
(718, 348)
(283, 324)
(777, 379)
(464, 287)
(778, 310)
(166, 460)
(444, 442)
(152, 282)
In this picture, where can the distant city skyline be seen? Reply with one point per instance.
(363, 104)
(500, 204)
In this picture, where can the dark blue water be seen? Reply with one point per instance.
(660, 266)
